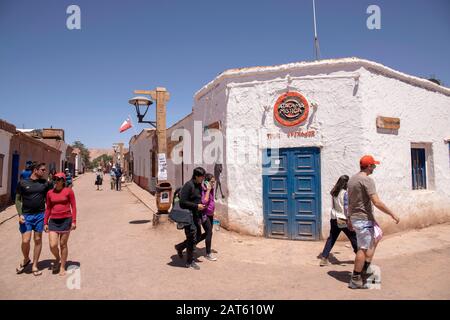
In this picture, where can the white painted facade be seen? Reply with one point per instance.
(177, 171)
(346, 96)
(141, 148)
(5, 141)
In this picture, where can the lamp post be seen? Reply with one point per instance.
(142, 103)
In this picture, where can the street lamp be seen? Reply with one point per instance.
(160, 96)
(142, 104)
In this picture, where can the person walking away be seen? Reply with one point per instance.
(362, 197)
(338, 219)
(59, 220)
(30, 204)
(191, 199)
(69, 180)
(207, 216)
(118, 177)
(112, 175)
(99, 178)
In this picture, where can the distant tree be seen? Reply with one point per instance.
(101, 160)
(84, 153)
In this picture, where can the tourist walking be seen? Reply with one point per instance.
(30, 205)
(362, 195)
(112, 175)
(69, 180)
(60, 219)
(338, 218)
(99, 178)
(207, 215)
(26, 173)
(191, 199)
(118, 178)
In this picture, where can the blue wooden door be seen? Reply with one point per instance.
(291, 193)
(14, 175)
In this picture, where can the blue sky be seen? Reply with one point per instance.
(81, 80)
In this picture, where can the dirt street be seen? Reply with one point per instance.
(121, 256)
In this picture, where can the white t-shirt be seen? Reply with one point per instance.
(337, 209)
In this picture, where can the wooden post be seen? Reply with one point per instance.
(162, 97)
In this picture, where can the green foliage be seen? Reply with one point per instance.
(103, 159)
(84, 153)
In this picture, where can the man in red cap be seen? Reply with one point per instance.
(362, 196)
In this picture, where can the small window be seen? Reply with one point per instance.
(419, 172)
(2, 156)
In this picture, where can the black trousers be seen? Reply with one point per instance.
(334, 234)
(207, 235)
(118, 184)
(191, 233)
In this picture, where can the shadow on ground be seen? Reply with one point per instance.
(343, 276)
(334, 260)
(139, 221)
(181, 262)
(48, 264)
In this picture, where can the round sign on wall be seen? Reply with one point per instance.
(291, 109)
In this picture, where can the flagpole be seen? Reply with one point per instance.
(316, 40)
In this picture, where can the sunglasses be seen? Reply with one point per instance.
(43, 169)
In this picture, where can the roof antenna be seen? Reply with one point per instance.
(316, 40)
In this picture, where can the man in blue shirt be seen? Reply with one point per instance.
(69, 183)
(25, 174)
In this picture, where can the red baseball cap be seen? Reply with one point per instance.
(60, 175)
(367, 160)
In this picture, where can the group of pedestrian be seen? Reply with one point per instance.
(48, 206)
(197, 196)
(116, 178)
(352, 213)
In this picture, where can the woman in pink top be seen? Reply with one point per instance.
(60, 218)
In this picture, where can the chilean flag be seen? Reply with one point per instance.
(125, 125)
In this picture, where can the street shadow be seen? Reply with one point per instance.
(181, 262)
(333, 260)
(139, 221)
(177, 261)
(48, 264)
(343, 276)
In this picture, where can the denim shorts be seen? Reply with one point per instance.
(365, 235)
(33, 222)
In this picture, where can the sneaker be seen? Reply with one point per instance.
(210, 257)
(193, 265)
(179, 252)
(356, 282)
(323, 262)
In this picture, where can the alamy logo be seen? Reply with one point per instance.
(74, 279)
(374, 279)
(374, 20)
(73, 21)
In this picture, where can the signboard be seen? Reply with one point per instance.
(388, 123)
(162, 166)
(291, 109)
(164, 198)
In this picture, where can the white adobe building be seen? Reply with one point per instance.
(142, 149)
(320, 117)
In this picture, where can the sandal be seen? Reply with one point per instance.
(22, 267)
(36, 272)
(55, 267)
